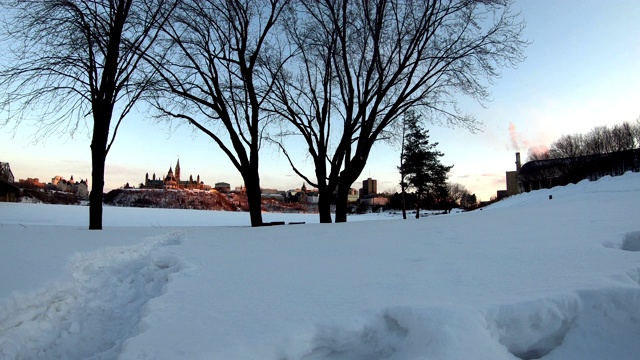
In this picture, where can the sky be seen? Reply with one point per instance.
(581, 71)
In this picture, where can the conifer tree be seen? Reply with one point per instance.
(421, 168)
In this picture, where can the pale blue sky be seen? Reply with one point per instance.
(582, 70)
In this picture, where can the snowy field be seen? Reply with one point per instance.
(529, 277)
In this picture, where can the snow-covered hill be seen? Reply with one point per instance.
(528, 277)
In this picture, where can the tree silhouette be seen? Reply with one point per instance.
(212, 75)
(69, 59)
(421, 167)
(359, 65)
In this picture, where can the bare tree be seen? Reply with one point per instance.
(457, 193)
(622, 137)
(568, 146)
(538, 154)
(212, 75)
(602, 151)
(469, 201)
(598, 141)
(362, 64)
(635, 130)
(73, 58)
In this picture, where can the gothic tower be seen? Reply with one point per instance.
(178, 171)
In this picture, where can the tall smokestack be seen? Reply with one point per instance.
(518, 164)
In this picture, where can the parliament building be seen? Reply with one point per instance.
(172, 181)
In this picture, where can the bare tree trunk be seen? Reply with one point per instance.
(404, 201)
(254, 198)
(342, 202)
(255, 208)
(98, 158)
(324, 205)
(95, 197)
(347, 177)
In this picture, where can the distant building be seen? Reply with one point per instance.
(353, 195)
(375, 200)
(511, 181)
(59, 183)
(302, 194)
(81, 189)
(173, 181)
(369, 187)
(272, 194)
(31, 183)
(512, 178)
(222, 187)
(267, 191)
(369, 194)
(501, 194)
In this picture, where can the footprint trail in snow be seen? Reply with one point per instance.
(95, 309)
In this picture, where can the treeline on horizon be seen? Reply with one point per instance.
(599, 141)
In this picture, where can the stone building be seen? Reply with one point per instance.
(173, 181)
(81, 189)
(59, 183)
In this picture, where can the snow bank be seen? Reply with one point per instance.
(628, 183)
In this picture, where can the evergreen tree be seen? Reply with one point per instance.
(421, 168)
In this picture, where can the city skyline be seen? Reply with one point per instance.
(580, 72)
(160, 176)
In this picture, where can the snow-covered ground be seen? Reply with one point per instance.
(528, 277)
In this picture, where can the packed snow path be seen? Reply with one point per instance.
(90, 315)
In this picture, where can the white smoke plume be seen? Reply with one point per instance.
(517, 140)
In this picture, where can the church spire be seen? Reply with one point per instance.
(178, 171)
